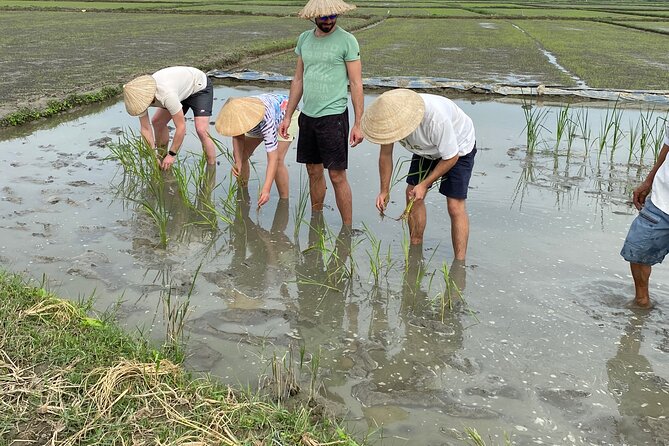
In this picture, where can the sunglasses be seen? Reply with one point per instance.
(326, 17)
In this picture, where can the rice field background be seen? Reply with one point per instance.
(52, 49)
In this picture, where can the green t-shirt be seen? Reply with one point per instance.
(325, 79)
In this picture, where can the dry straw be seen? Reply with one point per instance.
(393, 116)
(239, 115)
(320, 8)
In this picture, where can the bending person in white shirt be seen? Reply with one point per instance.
(441, 137)
(173, 90)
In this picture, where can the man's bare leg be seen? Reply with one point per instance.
(202, 129)
(641, 276)
(343, 197)
(459, 226)
(316, 186)
(417, 219)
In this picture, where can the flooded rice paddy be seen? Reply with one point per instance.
(540, 347)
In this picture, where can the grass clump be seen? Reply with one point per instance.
(69, 376)
(54, 107)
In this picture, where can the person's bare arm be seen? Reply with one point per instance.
(385, 172)
(178, 139)
(354, 71)
(420, 189)
(641, 192)
(294, 97)
(146, 130)
(270, 174)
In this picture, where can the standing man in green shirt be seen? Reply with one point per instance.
(328, 60)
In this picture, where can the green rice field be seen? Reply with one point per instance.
(52, 49)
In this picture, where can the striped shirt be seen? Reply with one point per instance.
(268, 128)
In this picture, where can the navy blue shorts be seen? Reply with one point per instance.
(647, 241)
(454, 183)
(323, 140)
(202, 102)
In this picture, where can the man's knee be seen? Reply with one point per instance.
(337, 177)
(456, 207)
(315, 170)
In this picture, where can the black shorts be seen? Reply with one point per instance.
(456, 181)
(324, 141)
(202, 102)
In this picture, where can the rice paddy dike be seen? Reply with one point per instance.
(59, 55)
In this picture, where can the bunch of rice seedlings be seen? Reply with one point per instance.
(534, 123)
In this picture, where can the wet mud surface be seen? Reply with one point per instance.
(540, 346)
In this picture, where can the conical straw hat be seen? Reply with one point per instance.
(319, 8)
(138, 94)
(392, 116)
(239, 115)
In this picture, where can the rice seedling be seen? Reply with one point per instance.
(340, 266)
(135, 156)
(645, 132)
(175, 314)
(609, 127)
(584, 127)
(301, 206)
(374, 255)
(451, 290)
(534, 123)
(452, 293)
(473, 438)
(561, 125)
(314, 367)
(141, 169)
(407, 210)
(633, 139)
(570, 128)
(284, 378)
(658, 135)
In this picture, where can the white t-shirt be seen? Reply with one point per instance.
(174, 84)
(660, 191)
(444, 132)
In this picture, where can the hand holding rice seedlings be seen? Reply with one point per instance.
(386, 200)
(407, 210)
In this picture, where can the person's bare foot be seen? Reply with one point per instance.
(637, 304)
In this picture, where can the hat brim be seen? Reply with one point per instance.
(313, 10)
(392, 116)
(138, 94)
(239, 115)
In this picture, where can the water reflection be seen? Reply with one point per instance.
(412, 350)
(386, 346)
(642, 396)
(323, 275)
(261, 259)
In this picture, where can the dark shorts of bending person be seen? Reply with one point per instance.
(454, 184)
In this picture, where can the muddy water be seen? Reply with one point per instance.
(542, 348)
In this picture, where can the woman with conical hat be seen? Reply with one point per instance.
(441, 137)
(250, 121)
(328, 62)
(173, 91)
